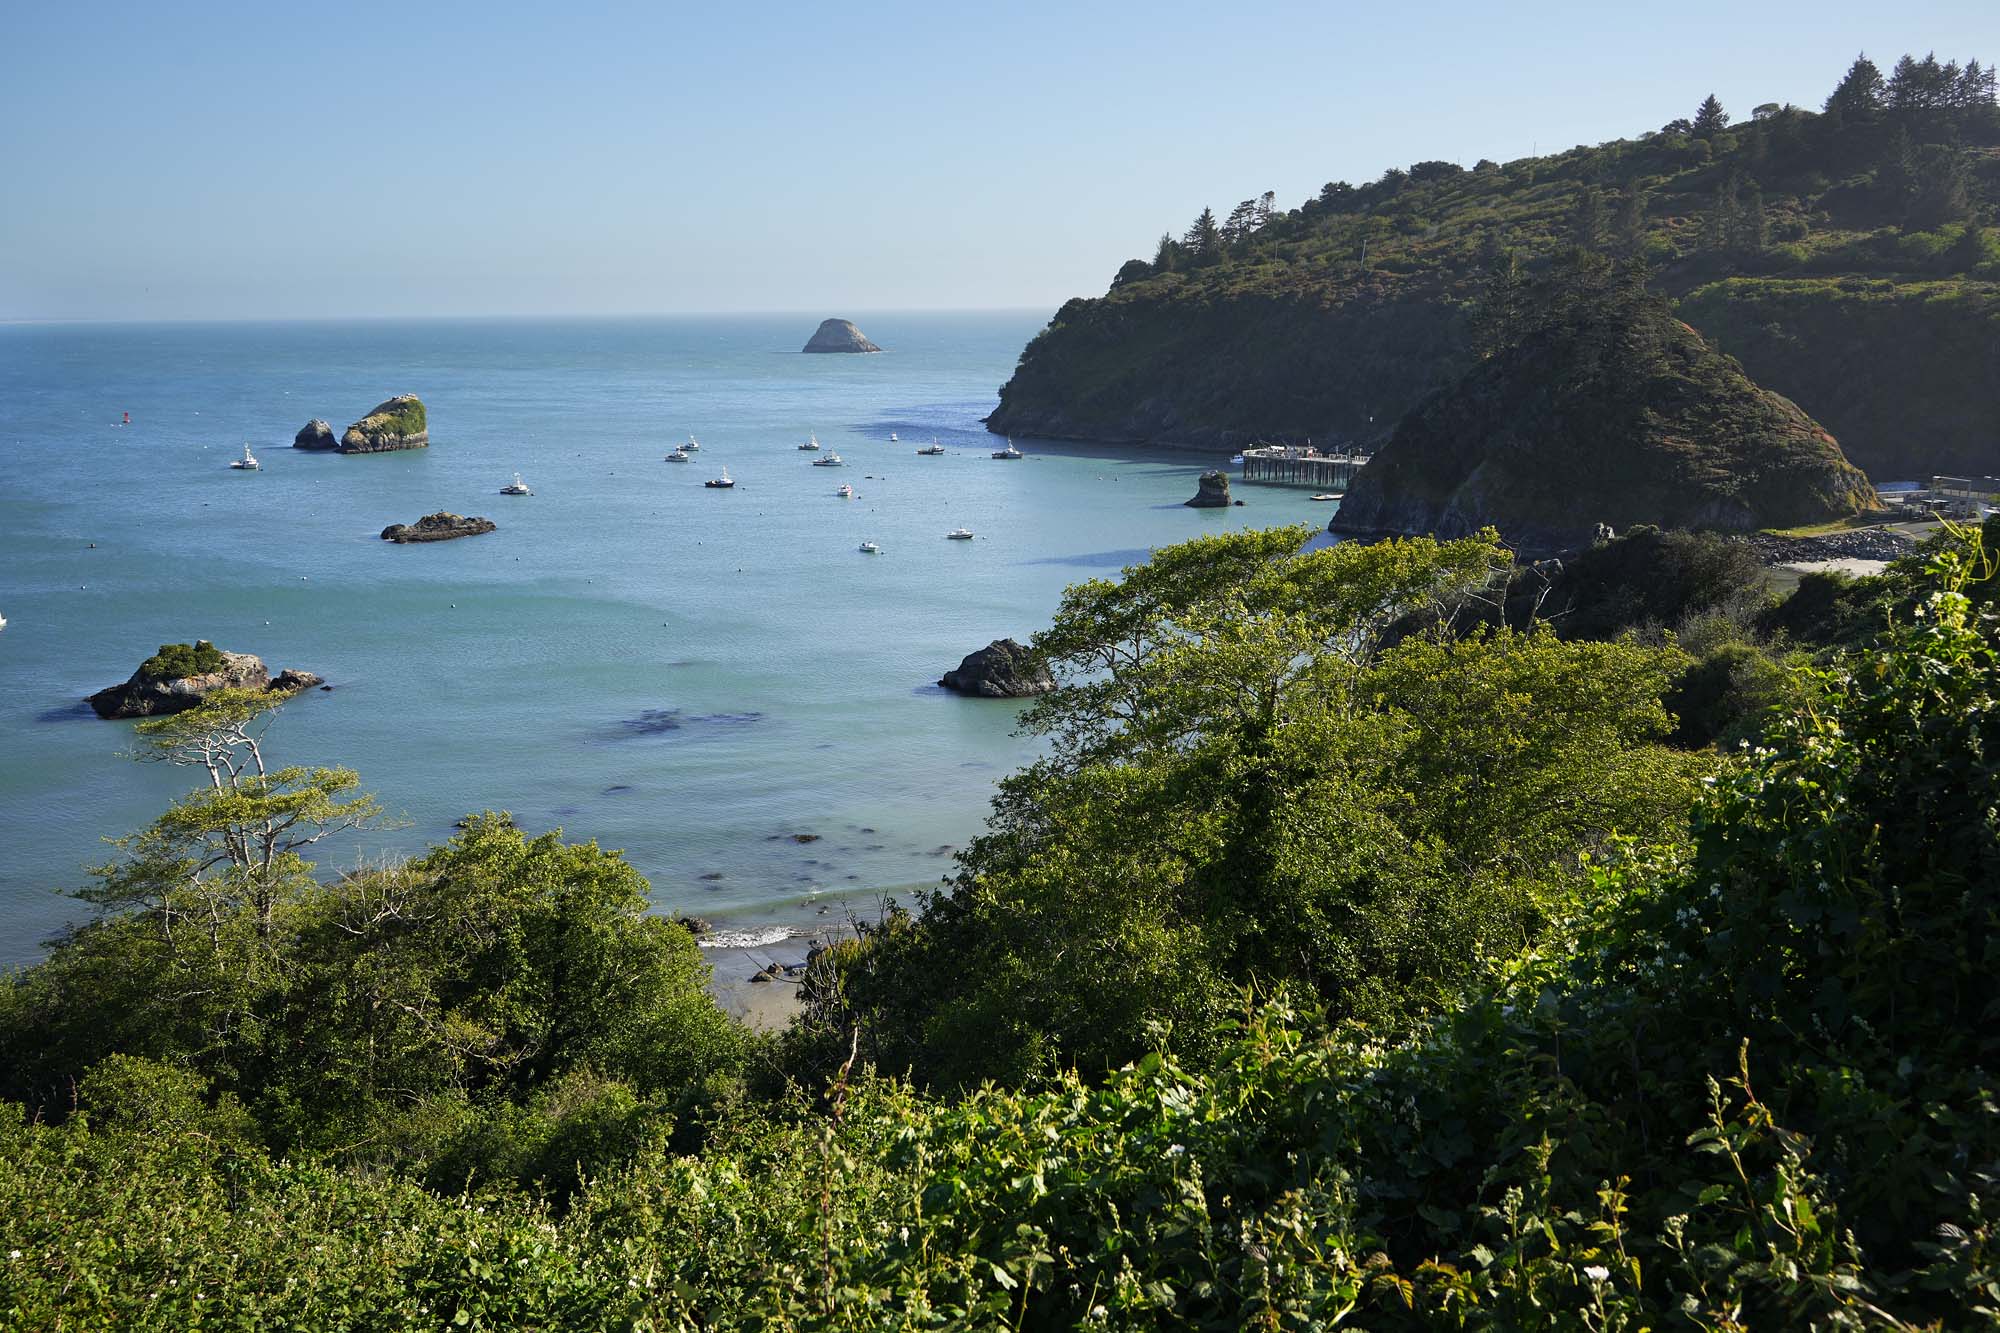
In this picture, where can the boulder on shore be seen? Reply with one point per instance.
(1213, 492)
(153, 695)
(315, 434)
(839, 335)
(399, 423)
(439, 527)
(1003, 669)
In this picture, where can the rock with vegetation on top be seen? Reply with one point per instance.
(400, 423)
(315, 434)
(1212, 492)
(1003, 669)
(1604, 408)
(181, 675)
(839, 335)
(439, 527)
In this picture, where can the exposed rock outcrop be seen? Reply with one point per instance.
(1003, 669)
(152, 696)
(839, 335)
(400, 423)
(1607, 410)
(315, 434)
(1212, 492)
(438, 527)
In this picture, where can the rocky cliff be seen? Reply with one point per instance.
(838, 335)
(1607, 410)
(399, 423)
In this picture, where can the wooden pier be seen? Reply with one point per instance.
(1291, 465)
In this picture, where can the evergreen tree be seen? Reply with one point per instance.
(1167, 257)
(1753, 230)
(1242, 221)
(1859, 93)
(1586, 219)
(1709, 118)
(1266, 205)
(1976, 87)
(1940, 191)
(1204, 238)
(1628, 227)
(1718, 229)
(1969, 250)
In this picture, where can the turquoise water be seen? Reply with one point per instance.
(687, 674)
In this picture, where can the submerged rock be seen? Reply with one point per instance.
(839, 335)
(1213, 492)
(399, 423)
(315, 434)
(151, 694)
(1003, 669)
(438, 527)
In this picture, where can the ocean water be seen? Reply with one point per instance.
(692, 675)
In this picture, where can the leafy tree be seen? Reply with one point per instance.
(1132, 270)
(1939, 187)
(176, 661)
(1709, 119)
(1860, 94)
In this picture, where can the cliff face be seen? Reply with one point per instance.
(399, 423)
(1615, 412)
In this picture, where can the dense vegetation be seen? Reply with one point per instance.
(176, 660)
(1596, 405)
(1843, 255)
(1365, 953)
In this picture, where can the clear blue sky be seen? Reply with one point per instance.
(218, 160)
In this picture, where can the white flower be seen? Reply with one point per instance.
(1176, 1150)
(1597, 1273)
(13, 1254)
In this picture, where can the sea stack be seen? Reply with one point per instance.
(1212, 492)
(1003, 669)
(315, 434)
(400, 423)
(181, 675)
(839, 335)
(439, 527)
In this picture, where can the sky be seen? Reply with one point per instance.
(225, 161)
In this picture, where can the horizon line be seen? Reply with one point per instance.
(50, 321)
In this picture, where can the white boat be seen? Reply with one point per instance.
(721, 483)
(519, 487)
(832, 459)
(692, 445)
(1009, 452)
(892, 437)
(3, 619)
(959, 535)
(1334, 496)
(679, 456)
(247, 463)
(867, 548)
(845, 492)
(812, 443)
(1237, 459)
(932, 449)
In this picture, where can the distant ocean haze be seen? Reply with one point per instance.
(689, 674)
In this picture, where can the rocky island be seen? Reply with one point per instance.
(439, 527)
(1003, 669)
(838, 335)
(1604, 409)
(316, 435)
(399, 423)
(181, 675)
(1211, 491)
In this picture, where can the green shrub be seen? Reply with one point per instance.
(177, 660)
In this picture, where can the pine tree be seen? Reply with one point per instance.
(1709, 118)
(1753, 229)
(1858, 95)
(1168, 257)
(1628, 227)
(1267, 204)
(1242, 221)
(1718, 229)
(1586, 219)
(1204, 239)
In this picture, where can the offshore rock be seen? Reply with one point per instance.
(315, 434)
(1003, 669)
(150, 696)
(438, 527)
(839, 335)
(1213, 492)
(399, 423)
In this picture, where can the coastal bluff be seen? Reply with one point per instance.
(399, 423)
(181, 675)
(839, 335)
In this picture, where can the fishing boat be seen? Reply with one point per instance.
(1335, 495)
(845, 492)
(1009, 452)
(247, 463)
(721, 483)
(693, 445)
(811, 444)
(832, 459)
(959, 535)
(867, 548)
(679, 456)
(892, 437)
(932, 449)
(518, 487)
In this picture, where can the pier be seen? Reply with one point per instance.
(1294, 465)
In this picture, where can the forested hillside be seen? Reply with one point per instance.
(1844, 255)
